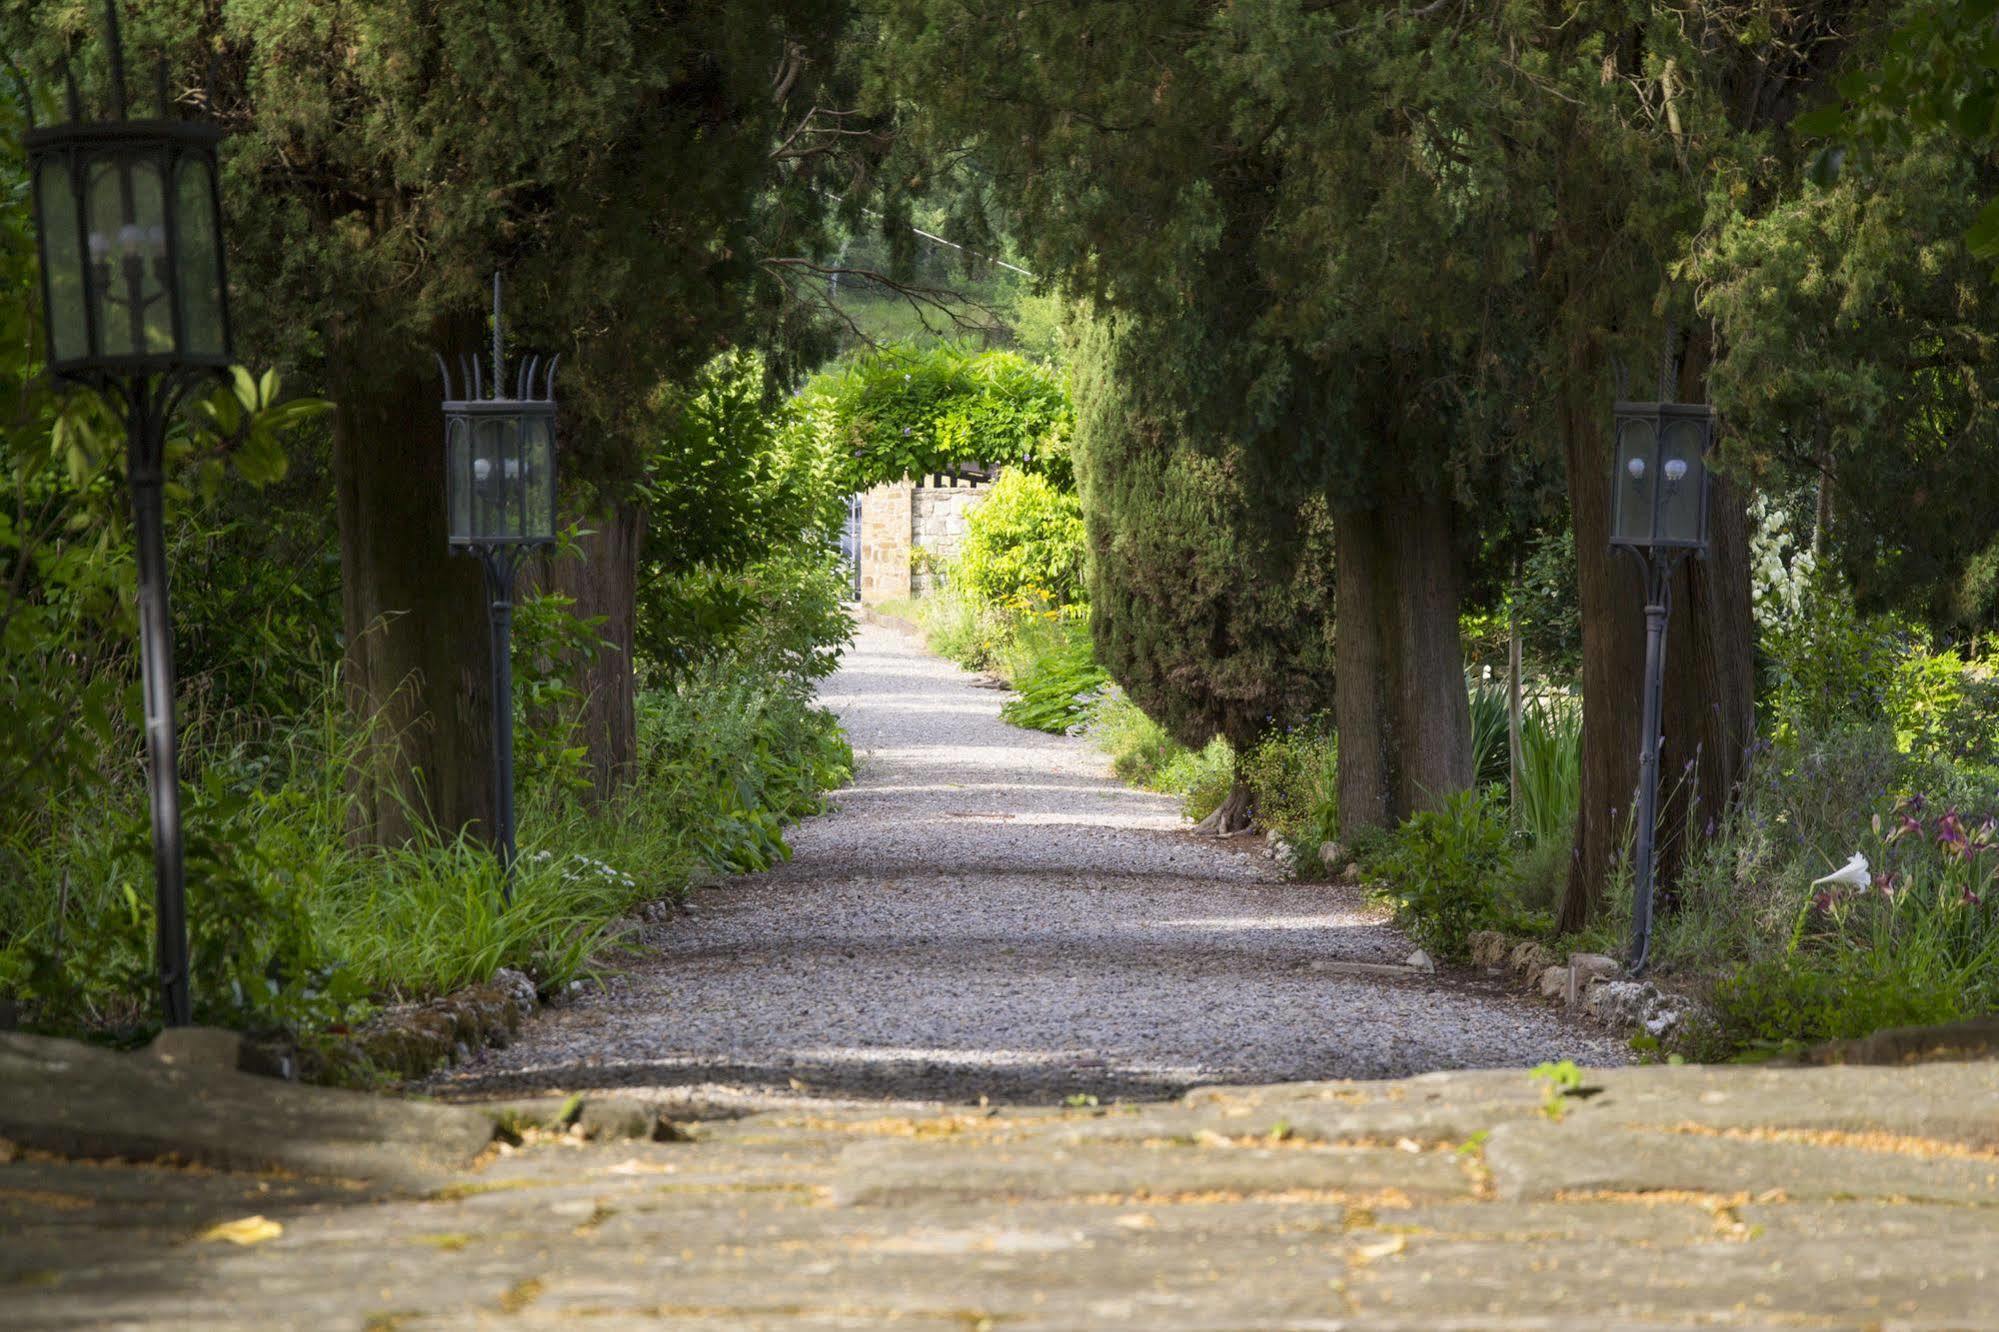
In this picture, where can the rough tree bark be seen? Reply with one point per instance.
(1399, 690)
(603, 581)
(1708, 702)
(417, 654)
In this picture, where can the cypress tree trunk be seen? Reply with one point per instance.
(417, 654)
(1400, 705)
(604, 582)
(1709, 701)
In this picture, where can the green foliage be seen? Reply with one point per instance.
(1551, 756)
(293, 928)
(1447, 871)
(1935, 73)
(1855, 353)
(1023, 547)
(1211, 597)
(1491, 757)
(1946, 709)
(1779, 1003)
(1061, 687)
(1828, 665)
(1293, 780)
(905, 411)
(1551, 631)
(743, 510)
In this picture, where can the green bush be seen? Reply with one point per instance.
(1828, 665)
(1449, 872)
(292, 928)
(1777, 1003)
(1060, 686)
(1023, 547)
(903, 411)
(1293, 779)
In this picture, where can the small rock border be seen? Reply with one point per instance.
(410, 1040)
(1592, 984)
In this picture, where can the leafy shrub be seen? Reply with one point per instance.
(1293, 778)
(1061, 685)
(743, 516)
(1775, 1003)
(1945, 708)
(1449, 872)
(1828, 665)
(903, 412)
(1023, 547)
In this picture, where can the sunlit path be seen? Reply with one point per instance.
(988, 912)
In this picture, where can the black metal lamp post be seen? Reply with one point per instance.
(1658, 514)
(128, 220)
(499, 483)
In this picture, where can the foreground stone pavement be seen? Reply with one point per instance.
(1820, 1198)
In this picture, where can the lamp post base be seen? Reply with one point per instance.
(502, 564)
(1658, 608)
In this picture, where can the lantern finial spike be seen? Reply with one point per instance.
(1668, 361)
(444, 373)
(498, 375)
(117, 57)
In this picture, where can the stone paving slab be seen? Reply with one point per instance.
(75, 1099)
(1668, 1197)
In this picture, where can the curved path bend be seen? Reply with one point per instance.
(986, 911)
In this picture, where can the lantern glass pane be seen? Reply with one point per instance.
(458, 477)
(128, 248)
(1632, 488)
(62, 263)
(199, 260)
(1680, 500)
(538, 440)
(495, 477)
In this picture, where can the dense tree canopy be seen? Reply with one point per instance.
(644, 175)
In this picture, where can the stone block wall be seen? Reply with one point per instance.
(902, 518)
(937, 517)
(885, 534)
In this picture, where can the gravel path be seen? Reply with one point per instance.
(987, 911)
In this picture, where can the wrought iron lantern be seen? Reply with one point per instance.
(1658, 514)
(128, 216)
(1659, 500)
(499, 490)
(135, 299)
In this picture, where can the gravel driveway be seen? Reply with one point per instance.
(988, 912)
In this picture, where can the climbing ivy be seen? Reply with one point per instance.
(902, 412)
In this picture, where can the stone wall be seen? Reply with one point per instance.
(937, 517)
(899, 520)
(885, 536)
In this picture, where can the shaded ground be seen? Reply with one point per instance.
(989, 912)
(1817, 1198)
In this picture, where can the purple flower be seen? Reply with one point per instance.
(1970, 898)
(1887, 883)
(1950, 833)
